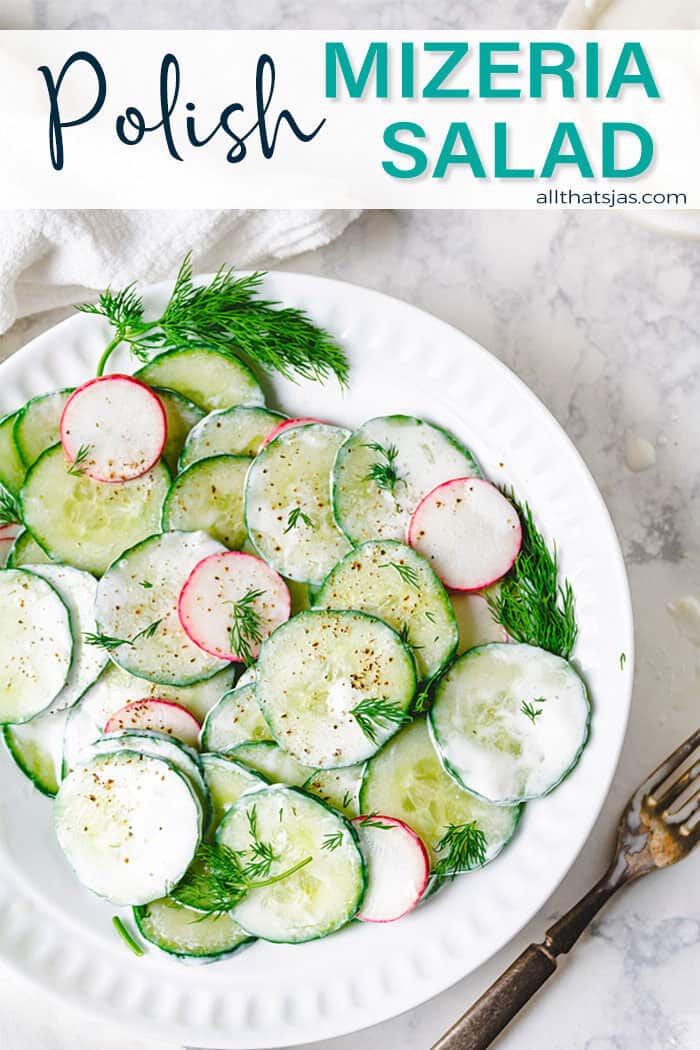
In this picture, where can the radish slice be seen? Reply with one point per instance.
(468, 531)
(113, 429)
(475, 622)
(8, 535)
(287, 424)
(398, 866)
(162, 716)
(213, 593)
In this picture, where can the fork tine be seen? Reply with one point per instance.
(667, 767)
(676, 789)
(689, 807)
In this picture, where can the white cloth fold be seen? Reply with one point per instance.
(53, 258)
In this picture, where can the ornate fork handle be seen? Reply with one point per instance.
(499, 1004)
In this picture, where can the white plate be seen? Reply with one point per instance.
(57, 934)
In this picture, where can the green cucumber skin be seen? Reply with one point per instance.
(12, 479)
(364, 875)
(188, 406)
(193, 957)
(181, 682)
(395, 417)
(21, 415)
(520, 800)
(182, 464)
(19, 762)
(316, 597)
(14, 557)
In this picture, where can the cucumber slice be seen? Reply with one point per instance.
(339, 788)
(288, 504)
(26, 551)
(236, 719)
(129, 825)
(384, 470)
(334, 686)
(510, 721)
(113, 690)
(147, 742)
(36, 748)
(36, 645)
(186, 933)
(125, 609)
(239, 431)
(181, 415)
(84, 522)
(78, 591)
(300, 593)
(392, 582)
(227, 780)
(12, 469)
(211, 378)
(209, 496)
(319, 898)
(268, 758)
(37, 426)
(407, 781)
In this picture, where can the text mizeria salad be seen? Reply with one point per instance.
(277, 675)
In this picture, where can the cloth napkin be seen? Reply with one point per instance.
(53, 258)
(50, 259)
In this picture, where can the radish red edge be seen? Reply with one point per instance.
(71, 452)
(421, 859)
(288, 424)
(283, 595)
(165, 711)
(450, 584)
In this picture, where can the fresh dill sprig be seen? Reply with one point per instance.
(373, 715)
(78, 465)
(531, 604)
(529, 709)
(373, 820)
(295, 516)
(407, 573)
(422, 699)
(246, 626)
(219, 878)
(466, 848)
(332, 842)
(9, 508)
(405, 636)
(347, 799)
(384, 473)
(623, 661)
(224, 314)
(128, 938)
(146, 584)
(109, 643)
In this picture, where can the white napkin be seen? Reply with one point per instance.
(53, 258)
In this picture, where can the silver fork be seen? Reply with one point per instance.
(659, 826)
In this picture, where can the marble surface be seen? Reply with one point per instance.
(602, 319)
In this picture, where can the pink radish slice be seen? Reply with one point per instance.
(468, 531)
(206, 606)
(398, 867)
(475, 622)
(287, 424)
(8, 535)
(162, 716)
(115, 426)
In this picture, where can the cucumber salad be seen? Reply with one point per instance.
(276, 675)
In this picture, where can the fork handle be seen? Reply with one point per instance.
(486, 1019)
